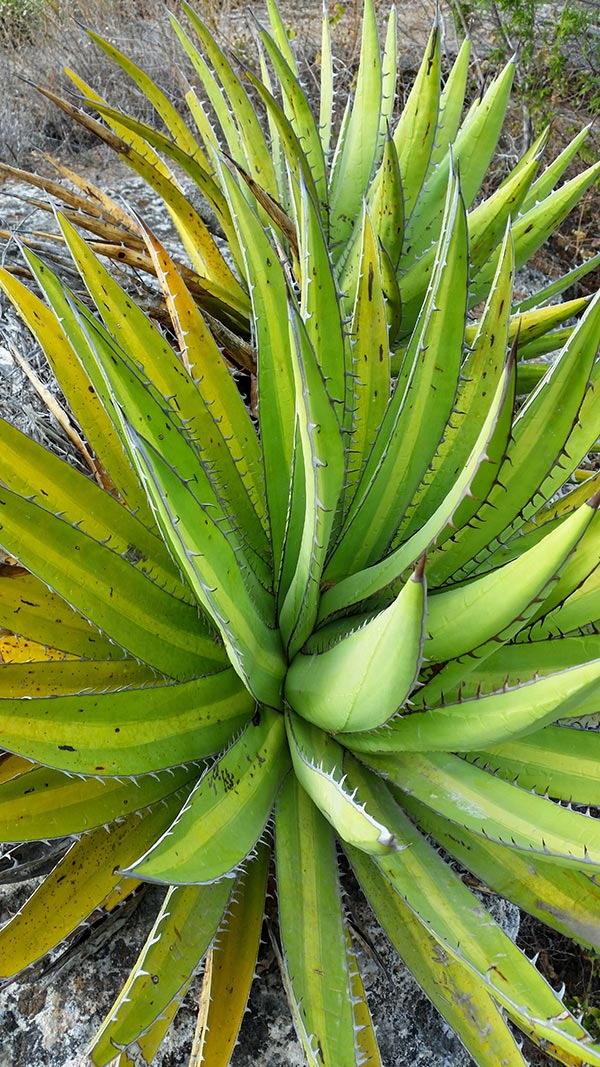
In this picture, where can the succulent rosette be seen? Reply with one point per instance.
(357, 611)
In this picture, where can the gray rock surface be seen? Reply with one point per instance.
(49, 1022)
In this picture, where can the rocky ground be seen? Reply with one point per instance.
(47, 1023)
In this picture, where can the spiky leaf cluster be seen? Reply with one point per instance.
(354, 610)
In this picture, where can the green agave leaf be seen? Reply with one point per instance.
(280, 35)
(33, 472)
(554, 172)
(481, 372)
(576, 611)
(564, 899)
(182, 933)
(188, 162)
(318, 761)
(494, 809)
(190, 515)
(326, 86)
(487, 224)
(214, 382)
(145, 350)
(295, 519)
(214, 92)
(238, 790)
(408, 437)
(300, 116)
(277, 154)
(544, 346)
(487, 221)
(578, 577)
(276, 396)
(312, 929)
(78, 884)
(522, 542)
(490, 460)
(29, 608)
(320, 306)
(542, 657)
(533, 325)
(558, 507)
(580, 567)
(141, 408)
(455, 624)
(486, 720)
(128, 731)
(152, 625)
(415, 132)
(195, 236)
(451, 104)
(44, 803)
(459, 995)
(509, 665)
(471, 153)
(320, 470)
(209, 560)
(230, 967)
(357, 143)
(465, 930)
(370, 357)
(529, 376)
(391, 292)
(80, 324)
(360, 681)
(148, 1043)
(386, 203)
(175, 124)
(558, 287)
(560, 761)
(375, 578)
(250, 136)
(84, 402)
(534, 227)
(291, 147)
(389, 74)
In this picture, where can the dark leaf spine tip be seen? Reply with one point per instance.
(419, 571)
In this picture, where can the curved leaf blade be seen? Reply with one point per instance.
(129, 731)
(238, 791)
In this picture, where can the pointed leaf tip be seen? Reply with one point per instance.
(419, 571)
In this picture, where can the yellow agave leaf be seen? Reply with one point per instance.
(229, 968)
(14, 649)
(80, 882)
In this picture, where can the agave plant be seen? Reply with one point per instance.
(356, 612)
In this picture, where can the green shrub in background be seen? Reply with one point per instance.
(353, 614)
(22, 20)
(558, 47)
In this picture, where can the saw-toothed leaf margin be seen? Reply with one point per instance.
(347, 611)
